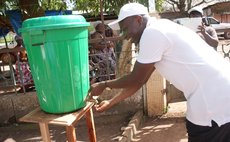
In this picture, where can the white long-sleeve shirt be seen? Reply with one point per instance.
(194, 67)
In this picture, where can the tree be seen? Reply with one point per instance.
(92, 7)
(53, 4)
(159, 4)
(28, 8)
(184, 5)
(4, 5)
(32, 8)
(36, 8)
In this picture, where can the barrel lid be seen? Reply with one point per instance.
(54, 22)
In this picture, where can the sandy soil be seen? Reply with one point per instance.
(168, 128)
(108, 129)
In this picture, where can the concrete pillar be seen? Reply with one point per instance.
(156, 95)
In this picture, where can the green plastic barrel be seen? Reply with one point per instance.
(57, 48)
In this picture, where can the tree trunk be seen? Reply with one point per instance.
(30, 9)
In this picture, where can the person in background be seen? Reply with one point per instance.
(22, 69)
(102, 55)
(184, 59)
(207, 32)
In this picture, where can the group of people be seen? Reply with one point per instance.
(183, 57)
(102, 58)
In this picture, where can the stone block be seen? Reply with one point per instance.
(6, 108)
(24, 103)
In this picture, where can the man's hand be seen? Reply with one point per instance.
(201, 31)
(104, 105)
(201, 28)
(97, 88)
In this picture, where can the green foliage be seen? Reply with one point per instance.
(53, 4)
(88, 6)
(45, 4)
(159, 3)
(9, 5)
(92, 7)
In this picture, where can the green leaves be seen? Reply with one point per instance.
(159, 3)
(53, 4)
(91, 7)
(110, 7)
(9, 5)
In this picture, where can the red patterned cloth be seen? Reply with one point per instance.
(26, 73)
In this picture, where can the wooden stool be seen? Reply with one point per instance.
(68, 120)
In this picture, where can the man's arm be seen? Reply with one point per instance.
(210, 36)
(106, 104)
(132, 81)
(137, 77)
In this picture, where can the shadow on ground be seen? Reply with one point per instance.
(168, 128)
(108, 129)
(162, 130)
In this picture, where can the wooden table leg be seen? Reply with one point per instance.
(90, 125)
(45, 132)
(71, 134)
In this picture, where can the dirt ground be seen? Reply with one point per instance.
(108, 128)
(168, 128)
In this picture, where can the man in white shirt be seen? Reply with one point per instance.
(184, 59)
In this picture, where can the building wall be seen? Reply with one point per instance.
(224, 18)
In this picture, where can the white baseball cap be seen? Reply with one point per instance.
(197, 8)
(130, 9)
